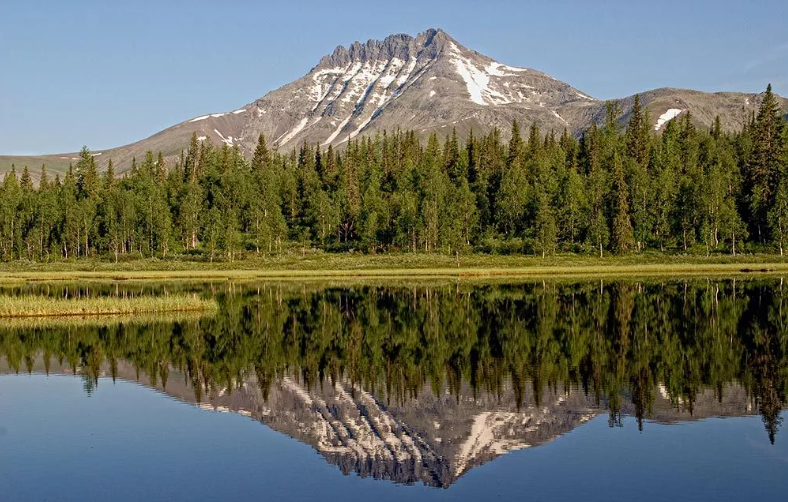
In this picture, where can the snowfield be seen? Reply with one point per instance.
(666, 117)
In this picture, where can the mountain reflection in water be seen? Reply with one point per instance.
(423, 383)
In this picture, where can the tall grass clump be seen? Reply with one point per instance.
(42, 306)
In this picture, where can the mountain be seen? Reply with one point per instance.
(427, 83)
(428, 438)
(436, 439)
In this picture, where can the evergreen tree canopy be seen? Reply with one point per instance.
(610, 190)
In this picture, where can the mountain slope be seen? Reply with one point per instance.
(428, 83)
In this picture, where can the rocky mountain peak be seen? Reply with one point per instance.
(401, 46)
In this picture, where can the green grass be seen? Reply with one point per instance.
(100, 321)
(318, 265)
(46, 306)
(56, 164)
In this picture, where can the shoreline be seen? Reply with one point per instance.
(395, 267)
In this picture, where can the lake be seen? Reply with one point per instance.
(388, 390)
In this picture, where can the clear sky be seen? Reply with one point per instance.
(107, 73)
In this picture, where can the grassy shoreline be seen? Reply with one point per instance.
(328, 266)
(17, 307)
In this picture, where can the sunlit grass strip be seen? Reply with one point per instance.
(691, 269)
(401, 265)
(45, 306)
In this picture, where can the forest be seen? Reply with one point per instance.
(618, 188)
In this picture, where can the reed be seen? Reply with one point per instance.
(46, 306)
(69, 322)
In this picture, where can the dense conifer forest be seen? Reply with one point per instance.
(613, 190)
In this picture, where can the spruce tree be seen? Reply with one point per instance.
(43, 178)
(191, 169)
(637, 134)
(262, 156)
(329, 175)
(763, 169)
(622, 234)
(26, 182)
(612, 111)
(516, 148)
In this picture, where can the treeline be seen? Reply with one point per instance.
(618, 342)
(613, 190)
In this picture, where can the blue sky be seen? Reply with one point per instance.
(107, 73)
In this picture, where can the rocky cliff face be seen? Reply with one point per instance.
(427, 83)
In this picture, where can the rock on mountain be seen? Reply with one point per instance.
(427, 83)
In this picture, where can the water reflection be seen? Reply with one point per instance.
(423, 383)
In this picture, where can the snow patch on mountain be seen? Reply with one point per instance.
(361, 126)
(406, 74)
(228, 140)
(583, 96)
(497, 69)
(476, 81)
(480, 82)
(295, 130)
(359, 84)
(666, 117)
(322, 86)
(338, 130)
(358, 427)
(216, 115)
(487, 436)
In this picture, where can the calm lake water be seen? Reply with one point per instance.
(646, 390)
